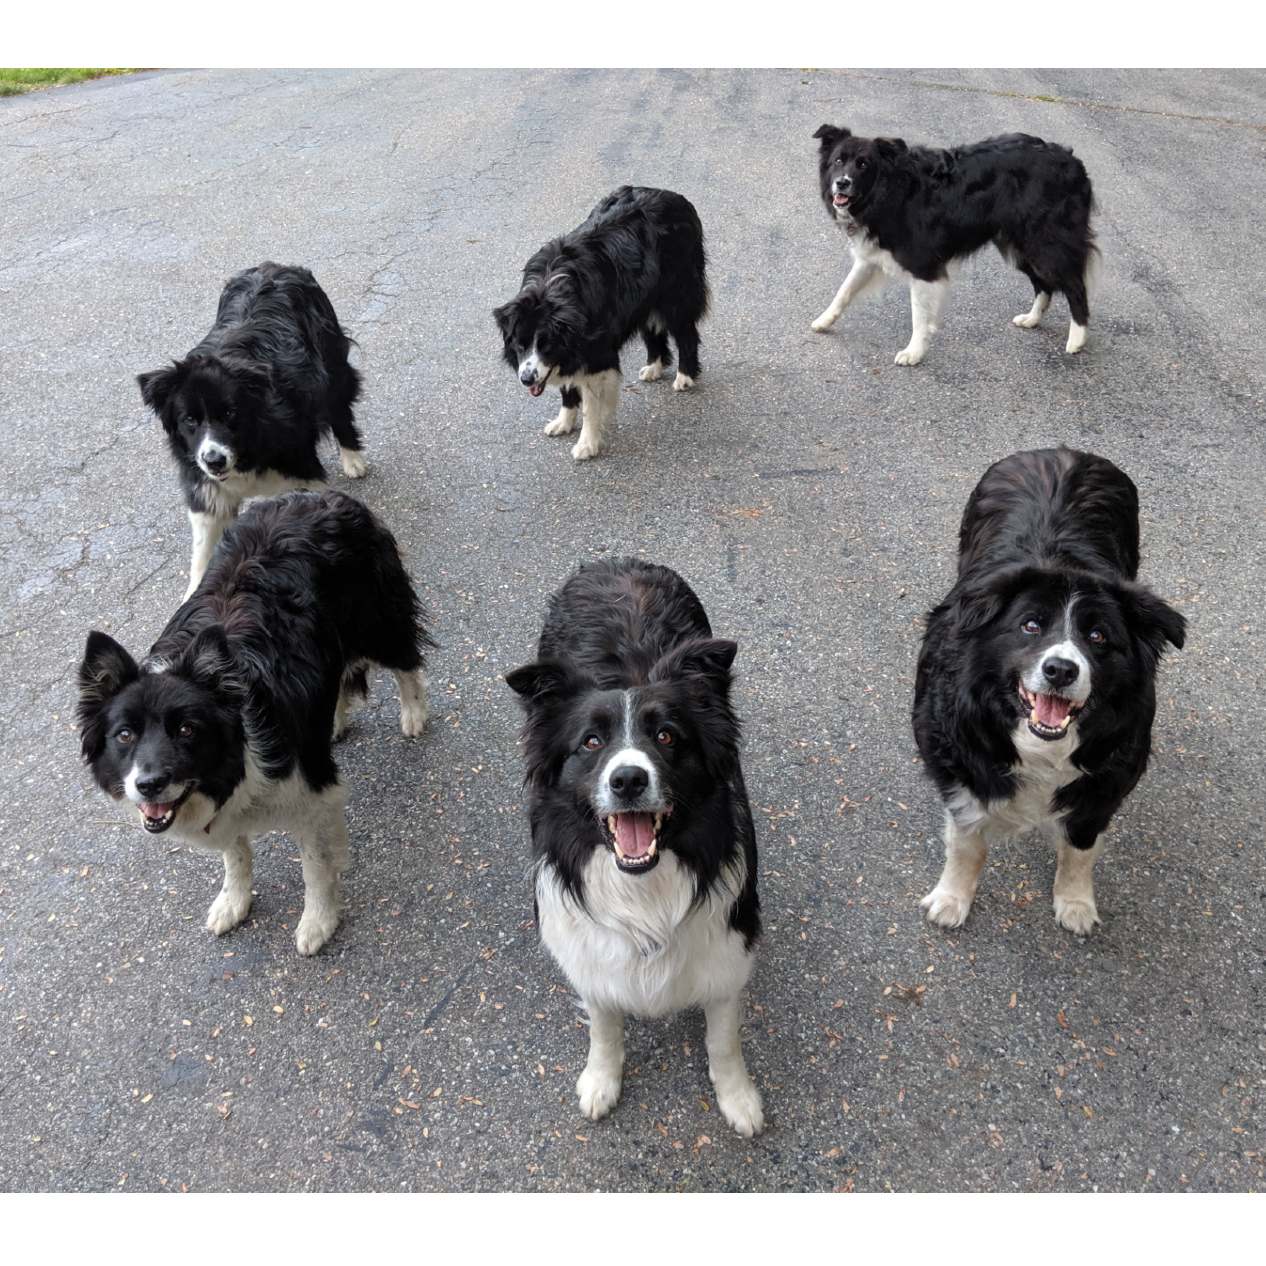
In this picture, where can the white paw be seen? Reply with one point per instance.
(1026, 320)
(564, 424)
(946, 908)
(584, 449)
(228, 910)
(741, 1106)
(314, 930)
(340, 729)
(599, 1092)
(911, 355)
(823, 323)
(683, 382)
(1076, 339)
(354, 464)
(414, 716)
(1077, 914)
(652, 372)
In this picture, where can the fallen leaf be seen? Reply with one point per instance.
(147, 1098)
(250, 1019)
(1060, 1019)
(280, 1010)
(1012, 1002)
(1086, 1109)
(835, 1151)
(435, 1094)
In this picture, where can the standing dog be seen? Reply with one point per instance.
(636, 264)
(642, 838)
(1035, 689)
(244, 410)
(225, 730)
(914, 212)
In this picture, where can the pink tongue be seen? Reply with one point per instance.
(537, 389)
(157, 811)
(1051, 709)
(634, 833)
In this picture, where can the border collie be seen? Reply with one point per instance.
(636, 264)
(243, 412)
(225, 730)
(642, 839)
(1035, 688)
(914, 213)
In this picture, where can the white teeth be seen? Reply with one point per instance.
(611, 824)
(659, 821)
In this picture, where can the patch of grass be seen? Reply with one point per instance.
(13, 82)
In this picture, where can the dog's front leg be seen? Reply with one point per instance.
(414, 708)
(324, 853)
(600, 395)
(738, 1099)
(950, 901)
(926, 300)
(207, 530)
(599, 1085)
(862, 276)
(1074, 888)
(234, 901)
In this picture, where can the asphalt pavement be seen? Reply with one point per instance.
(808, 489)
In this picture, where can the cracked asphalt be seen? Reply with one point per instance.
(809, 490)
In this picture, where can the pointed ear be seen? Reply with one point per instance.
(708, 657)
(159, 385)
(828, 134)
(1151, 619)
(208, 662)
(106, 669)
(546, 679)
(890, 146)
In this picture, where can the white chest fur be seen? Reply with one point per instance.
(637, 946)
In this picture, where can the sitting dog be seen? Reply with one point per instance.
(636, 264)
(244, 410)
(642, 839)
(914, 212)
(1035, 689)
(225, 730)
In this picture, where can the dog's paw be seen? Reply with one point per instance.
(354, 464)
(911, 355)
(652, 372)
(945, 908)
(564, 424)
(741, 1106)
(584, 449)
(599, 1092)
(1076, 338)
(823, 323)
(414, 715)
(1077, 914)
(683, 382)
(1026, 320)
(228, 910)
(314, 930)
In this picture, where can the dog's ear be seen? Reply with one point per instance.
(828, 134)
(159, 385)
(979, 605)
(208, 662)
(889, 146)
(707, 657)
(509, 313)
(546, 679)
(1151, 619)
(105, 670)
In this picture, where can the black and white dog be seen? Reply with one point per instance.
(243, 412)
(642, 837)
(225, 730)
(1035, 689)
(636, 264)
(914, 212)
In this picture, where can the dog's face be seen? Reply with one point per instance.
(636, 765)
(1058, 644)
(208, 406)
(849, 165)
(169, 742)
(539, 330)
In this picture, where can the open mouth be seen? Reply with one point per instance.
(157, 817)
(1049, 715)
(635, 839)
(841, 199)
(536, 388)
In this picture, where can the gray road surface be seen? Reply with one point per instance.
(810, 491)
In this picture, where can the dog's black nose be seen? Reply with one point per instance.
(527, 376)
(842, 184)
(152, 785)
(1060, 672)
(215, 461)
(629, 781)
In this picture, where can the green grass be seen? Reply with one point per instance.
(13, 82)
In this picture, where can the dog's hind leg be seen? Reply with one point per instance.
(234, 901)
(1074, 891)
(599, 1085)
(950, 901)
(351, 692)
(568, 415)
(324, 853)
(927, 298)
(1041, 300)
(1079, 311)
(207, 530)
(686, 336)
(861, 278)
(414, 708)
(737, 1097)
(600, 395)
(657, 353)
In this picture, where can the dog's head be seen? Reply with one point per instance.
(167, 738)
(849, 166)
(636, 768)
(1056, 643)
(209, 406)
(540, 328)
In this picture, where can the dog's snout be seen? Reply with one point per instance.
(152, 785)
(628, 781)
(215, 460)
(527, 375)
(1058, 673)
(843, 183)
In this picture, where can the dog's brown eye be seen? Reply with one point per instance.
(124, 735)
(664, 738)
(1097, 638)
(1031, 626)
(186, 731)
(593, 742)
(861, 164)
